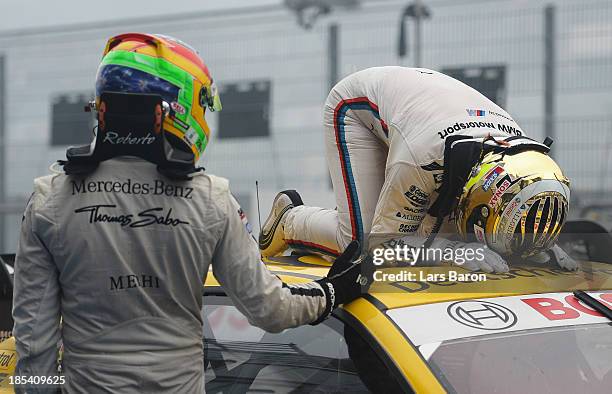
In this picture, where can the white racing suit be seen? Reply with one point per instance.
(121, 255)
(385, 129)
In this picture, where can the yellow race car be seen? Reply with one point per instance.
(521, 331)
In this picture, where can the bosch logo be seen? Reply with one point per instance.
(482, 315)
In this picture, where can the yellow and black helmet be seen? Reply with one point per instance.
(514, 203)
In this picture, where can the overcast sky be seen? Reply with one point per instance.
(17, 14)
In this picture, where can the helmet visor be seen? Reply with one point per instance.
(116, 78)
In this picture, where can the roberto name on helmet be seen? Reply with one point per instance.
(152, 92)
(509, 194)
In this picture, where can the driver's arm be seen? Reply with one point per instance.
(36, 296)
(261, 296)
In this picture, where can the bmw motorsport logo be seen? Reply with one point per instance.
(482, 315)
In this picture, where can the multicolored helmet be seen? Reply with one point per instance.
(158, 64)
(514, 203)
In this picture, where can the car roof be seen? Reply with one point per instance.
(522, 280)
(385, 313)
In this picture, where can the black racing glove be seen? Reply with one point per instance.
(345, 280)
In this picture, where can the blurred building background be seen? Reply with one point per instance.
(548, 63)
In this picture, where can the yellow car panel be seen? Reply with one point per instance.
(396, 346)
(369, 312)
(8, 359)
(291, 269)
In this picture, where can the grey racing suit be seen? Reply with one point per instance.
(120, 255)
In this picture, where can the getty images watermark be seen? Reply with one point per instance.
(403, 260)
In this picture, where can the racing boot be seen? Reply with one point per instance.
(272, 236)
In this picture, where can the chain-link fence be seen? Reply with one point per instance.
(266, 44)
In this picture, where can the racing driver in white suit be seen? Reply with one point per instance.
(117, 244)
(413, 152)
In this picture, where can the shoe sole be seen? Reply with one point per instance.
(265, 239)
(294, 196)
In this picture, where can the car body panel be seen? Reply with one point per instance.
(393, 345)
(372, 311)
(373, 314)
(8, 359)
(496, 315)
